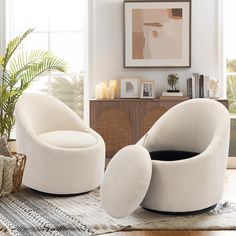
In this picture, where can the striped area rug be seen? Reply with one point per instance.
(30, 213)
(27, 213)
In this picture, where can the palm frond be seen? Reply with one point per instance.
(19, 71)
(23, 60)
(29, 73)
(6, 77)
(14, 44)
(26, 66)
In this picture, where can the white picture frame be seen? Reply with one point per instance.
(147, 90)
(130, 87)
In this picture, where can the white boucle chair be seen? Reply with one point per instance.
(196, 183)
(178, 167)
(64, 156)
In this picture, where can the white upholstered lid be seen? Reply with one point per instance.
(126, 181)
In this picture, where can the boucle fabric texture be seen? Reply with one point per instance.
(7, 175)
(68, 139)
(60, 159)
(4, 148)
(197, 125)
(125, 184)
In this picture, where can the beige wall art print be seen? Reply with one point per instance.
(157, 34)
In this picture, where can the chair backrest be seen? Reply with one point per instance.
(189, 126)
(43, 113)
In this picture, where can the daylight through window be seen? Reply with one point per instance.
(59, 30)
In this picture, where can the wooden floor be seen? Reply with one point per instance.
(229, 194)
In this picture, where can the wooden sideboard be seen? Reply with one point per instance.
(122, 122)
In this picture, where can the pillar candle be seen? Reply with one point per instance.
(104, 88)
(113, 85)
(108, 92)
(99, 92)
(113, 93)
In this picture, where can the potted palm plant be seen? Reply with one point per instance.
(19, 68)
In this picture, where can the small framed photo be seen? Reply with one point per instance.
(130, 87)
(148, 89)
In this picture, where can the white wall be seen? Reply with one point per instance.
(2, 26)
(107, 54)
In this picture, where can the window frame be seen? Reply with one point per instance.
(222, 70)
(2, 26)
(9, 31)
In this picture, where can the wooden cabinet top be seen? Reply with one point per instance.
(148, 100)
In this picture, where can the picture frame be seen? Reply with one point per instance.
(157, 33)
(130, 87)
(148, 90)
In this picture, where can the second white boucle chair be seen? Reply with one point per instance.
(64, 156)
(200, 127)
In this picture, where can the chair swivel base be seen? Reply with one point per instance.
(183, 213)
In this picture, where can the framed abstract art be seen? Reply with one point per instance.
(157, 33)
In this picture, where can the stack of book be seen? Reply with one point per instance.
(198, 86)
(173, 96)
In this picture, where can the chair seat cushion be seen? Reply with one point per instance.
(68, 139)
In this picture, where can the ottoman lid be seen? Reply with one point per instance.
(126, 181)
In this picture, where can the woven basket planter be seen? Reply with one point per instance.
(19, 171)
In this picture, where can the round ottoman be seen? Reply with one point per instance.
(135, 177)
(172, 191)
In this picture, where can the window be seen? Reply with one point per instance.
(230, 52)
(229, 39)
(59, 27)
